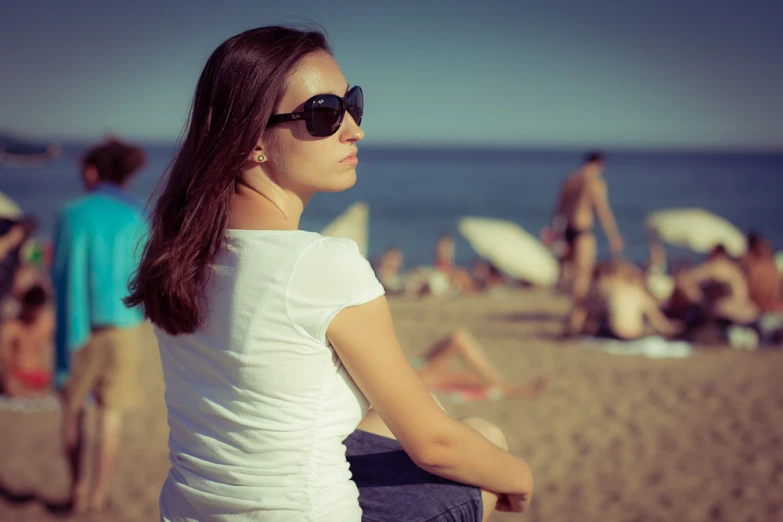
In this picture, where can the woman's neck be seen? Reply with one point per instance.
(252, 209)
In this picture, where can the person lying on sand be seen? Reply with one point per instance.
(480, 376)
(620, 307)
(486, 276)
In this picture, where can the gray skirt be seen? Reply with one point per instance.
(394, 489)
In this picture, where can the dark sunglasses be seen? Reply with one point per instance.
(324, 113)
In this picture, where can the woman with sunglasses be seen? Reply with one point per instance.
(275, 341)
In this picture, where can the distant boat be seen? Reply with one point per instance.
(353, 223)
(15, 152)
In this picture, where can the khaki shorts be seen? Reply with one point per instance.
(107, 365)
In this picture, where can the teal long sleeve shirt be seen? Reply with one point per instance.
(97, 246)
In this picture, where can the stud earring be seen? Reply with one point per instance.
(261, 157)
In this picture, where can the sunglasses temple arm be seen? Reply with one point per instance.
(282, 118)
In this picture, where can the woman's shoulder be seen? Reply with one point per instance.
(333, 259)
(299, 249)
(334, 246)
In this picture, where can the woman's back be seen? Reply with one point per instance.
(258, 402)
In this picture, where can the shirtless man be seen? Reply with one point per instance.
(718, 286)
(624, 308)
(764, 280)
(583, 195)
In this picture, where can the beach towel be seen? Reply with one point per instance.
(50, 402)
(653, 347)
(468, 393)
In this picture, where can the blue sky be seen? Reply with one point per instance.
(549, 73)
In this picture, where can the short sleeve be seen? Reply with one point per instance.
(329, 276)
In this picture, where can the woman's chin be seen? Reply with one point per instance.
(341, 182)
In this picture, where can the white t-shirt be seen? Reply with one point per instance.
(258, 401)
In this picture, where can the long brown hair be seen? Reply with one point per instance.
(240, 87)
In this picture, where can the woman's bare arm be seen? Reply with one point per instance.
(365, 340)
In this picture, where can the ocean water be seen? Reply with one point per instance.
(417, 194)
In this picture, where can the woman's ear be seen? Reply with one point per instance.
(257, 154)
(257, 157)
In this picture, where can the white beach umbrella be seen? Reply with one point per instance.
(511, 249)
(697, 229)
(8, 208)
(353, 223)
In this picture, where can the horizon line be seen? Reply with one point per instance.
(521, 147)
(454, 145)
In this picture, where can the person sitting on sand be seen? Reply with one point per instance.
(715, 290)
(26, 344)
(622, 308)
(763, 277)
(420, 281)
(445, 250)
(486, 276)
(26, 277)
(480, 376)
(388, 267)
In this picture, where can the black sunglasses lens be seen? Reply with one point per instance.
(327, 115)
(355, 101)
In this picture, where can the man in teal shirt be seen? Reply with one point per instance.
(97, 245)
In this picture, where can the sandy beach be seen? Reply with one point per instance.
(614, 438)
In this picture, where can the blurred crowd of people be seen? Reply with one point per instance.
(53, 335)
(63, 325)
(443, 278)
(721, 299)
(728, 297)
